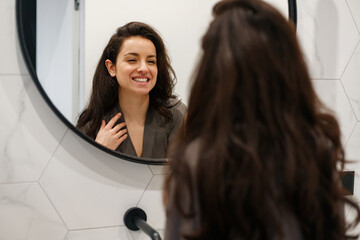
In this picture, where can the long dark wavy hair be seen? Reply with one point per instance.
(267, 144)
(104, 94)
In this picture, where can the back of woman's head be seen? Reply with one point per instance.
(252, 63)
(105, 88)
(268, 149)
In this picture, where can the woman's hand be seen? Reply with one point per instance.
(109, 135)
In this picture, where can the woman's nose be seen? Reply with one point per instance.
(143, 68)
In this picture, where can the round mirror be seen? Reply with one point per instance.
(62, 41)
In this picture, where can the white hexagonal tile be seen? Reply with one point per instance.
(351, 81)
(332, 94)
(91, 188)
(354, 6)
(11, 61)
(30, 132)
(350, 215)
(353, 145)
(352, 151)
(152, 202)
(26, 213)
(159, 169)
(328, 36)
(112, 233)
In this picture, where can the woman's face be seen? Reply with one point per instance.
(136, 68)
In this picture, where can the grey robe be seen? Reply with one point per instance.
(157, 133)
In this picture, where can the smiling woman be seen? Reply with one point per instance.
(132, 108)
(62, 41)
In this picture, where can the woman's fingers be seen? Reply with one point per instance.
(103, 124)
(120, 133)
(113, 120)
(111, 135)
(119, 126)
(122, 138)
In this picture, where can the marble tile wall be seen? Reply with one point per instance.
(329, 33)
(53, 185)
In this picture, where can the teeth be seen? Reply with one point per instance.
(140, 79)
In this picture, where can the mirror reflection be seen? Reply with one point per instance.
(132, 108)
(70, 41)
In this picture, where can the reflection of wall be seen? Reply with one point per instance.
(53, 185)
(282, 6)
(181, 33)
(57, 48)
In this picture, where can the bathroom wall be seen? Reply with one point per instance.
(182, 42)
(54, 185)
(329, 33)
(57, 43)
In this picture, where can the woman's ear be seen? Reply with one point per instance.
(110, 67)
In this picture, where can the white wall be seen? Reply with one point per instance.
(57, 40)
(180, 32)
(329, 33)
(53, 185)
(180, 23)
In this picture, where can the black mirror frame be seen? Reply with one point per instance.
(25, 11)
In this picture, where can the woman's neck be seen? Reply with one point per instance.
(134, 107)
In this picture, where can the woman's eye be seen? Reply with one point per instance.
(131, 60)
(152, 61)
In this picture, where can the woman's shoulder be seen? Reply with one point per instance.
(176, 106)
(192, 153)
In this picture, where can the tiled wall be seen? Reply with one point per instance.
(329, 33)
(53, 185)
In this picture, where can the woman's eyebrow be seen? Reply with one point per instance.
(131, 53)
(136, 54)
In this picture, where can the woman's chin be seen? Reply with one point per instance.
(142, 92)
